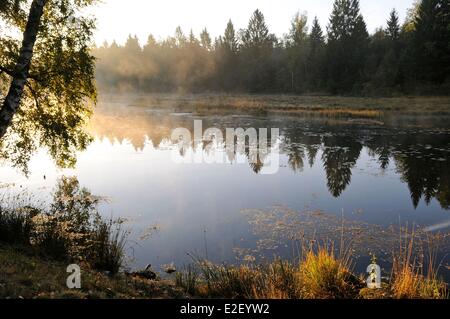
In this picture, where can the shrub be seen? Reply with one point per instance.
(71, 229)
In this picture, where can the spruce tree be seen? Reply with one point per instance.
(316, 37)
(205, 39)
(431, 40)
(257, 33)
(229, 38)
(257, 49)
(393, 26)
(316, 55)
(347, 46)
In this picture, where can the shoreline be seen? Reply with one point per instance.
(26, 274)
(336, 106)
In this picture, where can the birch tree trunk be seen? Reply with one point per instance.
(21, 71)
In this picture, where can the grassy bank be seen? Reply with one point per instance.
(26, 273)
(320, 105)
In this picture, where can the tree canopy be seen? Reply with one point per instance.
(59, 91)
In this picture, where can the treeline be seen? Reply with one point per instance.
(408, 57)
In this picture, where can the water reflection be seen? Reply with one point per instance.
(419, 155)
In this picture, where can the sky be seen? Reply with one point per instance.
(116, 19)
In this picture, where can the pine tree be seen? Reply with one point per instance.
(316, 55)
(205, 40)
(180, 38)
(132, 44)
(393, 26)
(316, 37)
(257, 48)
(192, 39)
(347, 46)
(431, 40)
(257, 32)
(229, 38)
(151, 41)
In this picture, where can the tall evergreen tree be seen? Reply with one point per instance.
(193, 41)
(257, 48)
(257, 33)
(316, 55)
(347, 46)
(180, 38)
(205, 39)
(389, 71)
(393, 26)
(229, 38)
(316, 37)
(431, 40)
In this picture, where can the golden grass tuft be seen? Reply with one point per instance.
(411, 279)
(409, 283)
(323, 276)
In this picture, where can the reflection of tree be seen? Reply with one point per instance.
(380, 146)
(131, 127)
(258, 165)
(426, 177)
(311, 151)
(295, 157)
(298, 145)
(422, 162)
(255, 158)
(339, 157)
(443, 193)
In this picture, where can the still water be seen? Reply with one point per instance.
(391, 171)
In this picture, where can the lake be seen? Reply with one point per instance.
(373, 173)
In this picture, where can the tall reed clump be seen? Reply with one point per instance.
(417, 277)
(16, 216)
(71, 228)
(324, 276)
(108, 246)
(16, 225)
(208, 280)
(187, 279)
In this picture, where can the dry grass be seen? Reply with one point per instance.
(338, 106)
(413, 277)
(319, 275)
(323, 276)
